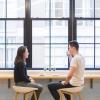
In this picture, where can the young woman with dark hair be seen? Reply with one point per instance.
(20, 71)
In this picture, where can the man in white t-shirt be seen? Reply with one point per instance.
(75, 75)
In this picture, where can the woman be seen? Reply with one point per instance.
(20, 72)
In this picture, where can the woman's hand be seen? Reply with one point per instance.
(32, 80)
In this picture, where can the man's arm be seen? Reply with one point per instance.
(70, 74)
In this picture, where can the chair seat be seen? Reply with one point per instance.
(72, 90)
(21, 89)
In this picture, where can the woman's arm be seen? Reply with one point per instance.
(23, 72)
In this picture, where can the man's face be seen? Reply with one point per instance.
(71, 50)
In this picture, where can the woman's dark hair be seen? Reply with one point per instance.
(20, 52)
(74, 44)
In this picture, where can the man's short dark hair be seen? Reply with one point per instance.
(74, 43)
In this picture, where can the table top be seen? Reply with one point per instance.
(49, 75)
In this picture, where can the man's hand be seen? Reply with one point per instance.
(68, 53)
(63, 82)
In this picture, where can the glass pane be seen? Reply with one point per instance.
(11, 52)
(40, 56)
(15, 8)
(2, 8)
(40, 32)
(97, 30)
(84, 8)
(40, 8)
(85, 31)
(59, 8)
(2, 31)
(87, 50)
(14, 32)
(97, 56)
(2, 56)
(59, 31)
(58, 56)
(97, 8)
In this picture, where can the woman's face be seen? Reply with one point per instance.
(26, 53)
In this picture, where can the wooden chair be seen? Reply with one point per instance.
(25, 91)
(71, 91)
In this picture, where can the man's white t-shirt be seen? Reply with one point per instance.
(78, 77)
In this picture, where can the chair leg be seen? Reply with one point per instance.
(26, 97)
(80, 97)
(71, 95)
(61, 96)
(35, 96)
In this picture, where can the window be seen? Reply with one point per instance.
(15, 8)
(49, 8)
(59, 8)
(40, 44)
(97, 44)
(40, 8)
(49, 34)
(14, 38)
(84, 8)
(88, 28)
(11, 30)
(2, 8)
(11, 37)
(49, 45)
(97, 8)
(2, 44)
(59, 44)
(12, 8)
(86, 31)
(46, 27)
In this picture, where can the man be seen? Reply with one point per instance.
(75, 75)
